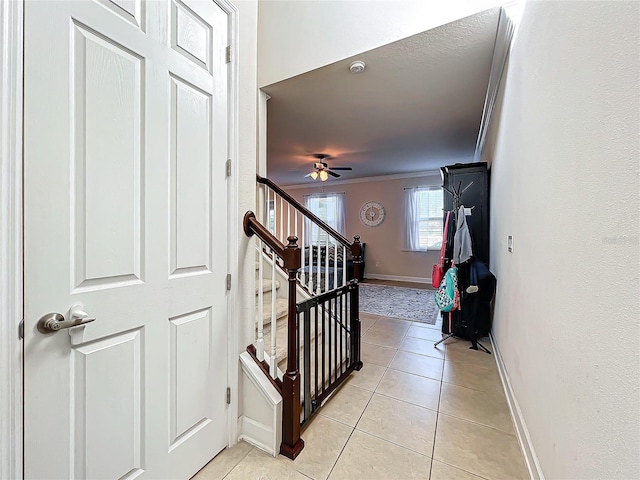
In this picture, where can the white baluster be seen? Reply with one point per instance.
(344, 265)
(260, 339)
(281, 221)
(326, 263)
(274, 209)
(273, 365)
(317, 285)
(305, 256)
(335, 263)
(288, 219)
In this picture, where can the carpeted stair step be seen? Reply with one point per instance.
(282, 306)
(266, 285)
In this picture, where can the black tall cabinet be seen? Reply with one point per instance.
(476, 195)
(474, 319)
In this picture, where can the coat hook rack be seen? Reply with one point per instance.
(457, 197)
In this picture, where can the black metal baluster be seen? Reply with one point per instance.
(335, 342)
(330, 339)
(331, 322)
(355, 326)
(316, 366)
(318, 392)
(343, 332)
(307, 364)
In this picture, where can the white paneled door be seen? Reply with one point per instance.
(125, 219)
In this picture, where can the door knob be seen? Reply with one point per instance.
(52, 322)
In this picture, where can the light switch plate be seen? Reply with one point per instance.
(510, 243)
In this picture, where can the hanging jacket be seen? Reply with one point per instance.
(462, 249)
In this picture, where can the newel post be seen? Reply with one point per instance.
(356, 252)
(292, 444)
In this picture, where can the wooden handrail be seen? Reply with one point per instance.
(252, 226)
(305, 211)
(290, 253)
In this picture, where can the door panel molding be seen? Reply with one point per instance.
(11, 274)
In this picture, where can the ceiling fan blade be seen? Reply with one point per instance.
(341, 168)
(308, 175)
(333, 174)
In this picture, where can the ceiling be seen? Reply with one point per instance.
(416, 107)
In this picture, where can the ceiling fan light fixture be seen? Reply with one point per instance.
(323, 175)
(314, 175)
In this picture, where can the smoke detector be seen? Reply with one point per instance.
(357, 67)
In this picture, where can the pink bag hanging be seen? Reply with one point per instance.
(438, 270)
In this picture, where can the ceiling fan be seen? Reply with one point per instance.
(322, 169)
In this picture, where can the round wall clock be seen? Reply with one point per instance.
(372, 214)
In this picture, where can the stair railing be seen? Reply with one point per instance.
(334, 352)
(325, 257)
(289, 255)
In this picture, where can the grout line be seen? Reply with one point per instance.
(405, 401)
(435, 430)
(419, 375)
(458, 468)
(341, 452)
(479, 424)
(239, 461)
(489, 392)
(404, 447)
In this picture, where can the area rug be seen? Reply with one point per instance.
(399, 302)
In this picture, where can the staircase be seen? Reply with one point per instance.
(281, 310)
(307, 328)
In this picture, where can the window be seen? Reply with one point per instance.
(330, 208)
(423, 218)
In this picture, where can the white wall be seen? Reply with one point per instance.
(385, 244)
(246, 158)
(565, 169)
(298, 36)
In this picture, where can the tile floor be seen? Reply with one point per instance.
(412, 412)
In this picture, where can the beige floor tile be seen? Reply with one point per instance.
(422, 347)
(366, 323)
(383, 337)
(393, 325)
(323, 442)
(224, 462)
(410, 388)
(347, 404)
(368, 457)
(484, 451)
(471, 375)
(418, 364)
(425, 325)
(400, 422)
(377, 354)
(442, 471)
(424, 333)
(259, 465)
(486, 408)
(459, 351)
(367, 378)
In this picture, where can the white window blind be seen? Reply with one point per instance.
(423, 218)
(330, 208)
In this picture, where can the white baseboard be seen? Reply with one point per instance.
(398, 278)
(531, 459)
